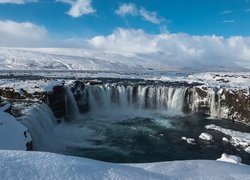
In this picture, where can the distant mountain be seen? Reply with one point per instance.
(74, 59)
(85, 59)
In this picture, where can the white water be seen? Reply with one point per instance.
(71, 105)
(111, 97)
(213, 104)
(40, 122)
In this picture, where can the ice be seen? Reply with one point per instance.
(206, 136)
(189, 140)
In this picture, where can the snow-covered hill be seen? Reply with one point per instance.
(74, 59)
(41, 165)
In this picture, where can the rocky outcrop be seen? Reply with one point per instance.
(220, 103)
(56, 101)
(13, 135)
(78, 89)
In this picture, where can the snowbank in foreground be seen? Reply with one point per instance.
(230, 158)
(41, 165)
(13, 135)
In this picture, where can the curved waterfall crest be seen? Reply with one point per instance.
(107, 97)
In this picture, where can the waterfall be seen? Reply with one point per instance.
(40, 122)
(177, 99)
(71, 104)
(213, 104)
(109, 97)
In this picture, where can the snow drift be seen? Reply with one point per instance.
(41, 165)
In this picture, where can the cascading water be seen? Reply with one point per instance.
(213, 104)
(40, 122)
(138, 97)
(71, 105)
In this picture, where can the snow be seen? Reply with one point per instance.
(31, 86)
(42, 165)
(225, 139)
(4, 106)
(13, 135)
(230, 158)
(237, 138)
(73, 59)
(63, 62)
(231, 80)
(206, 137)
(247, 149)
(189, 140)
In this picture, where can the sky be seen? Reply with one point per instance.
(164, 29)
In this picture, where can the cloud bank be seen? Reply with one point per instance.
(178, 49)
(79, 7)
(21, 34)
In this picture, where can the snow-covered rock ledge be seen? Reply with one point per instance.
(41, 165)
(13, 135)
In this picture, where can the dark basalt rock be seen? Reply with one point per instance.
(56, 101)
(238, 104)
(12, 94)
(78, 89)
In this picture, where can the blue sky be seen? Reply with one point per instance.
(177, 32)
(194, 17)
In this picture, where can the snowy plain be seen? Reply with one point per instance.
(42, 165)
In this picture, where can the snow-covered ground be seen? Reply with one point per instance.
(73, 59)
(13, 135)
(30, 86)
(237, 138)
(63, 62)
(42, 165)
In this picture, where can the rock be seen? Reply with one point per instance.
(56, 101)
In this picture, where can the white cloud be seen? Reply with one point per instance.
(21, 34)
(127, 9)
(177, 49)
(79, 7)
(17, 1)
(150, 16)
(228, 21)
(131, 9)
(226, 12)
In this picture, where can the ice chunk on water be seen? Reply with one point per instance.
(206, 136)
